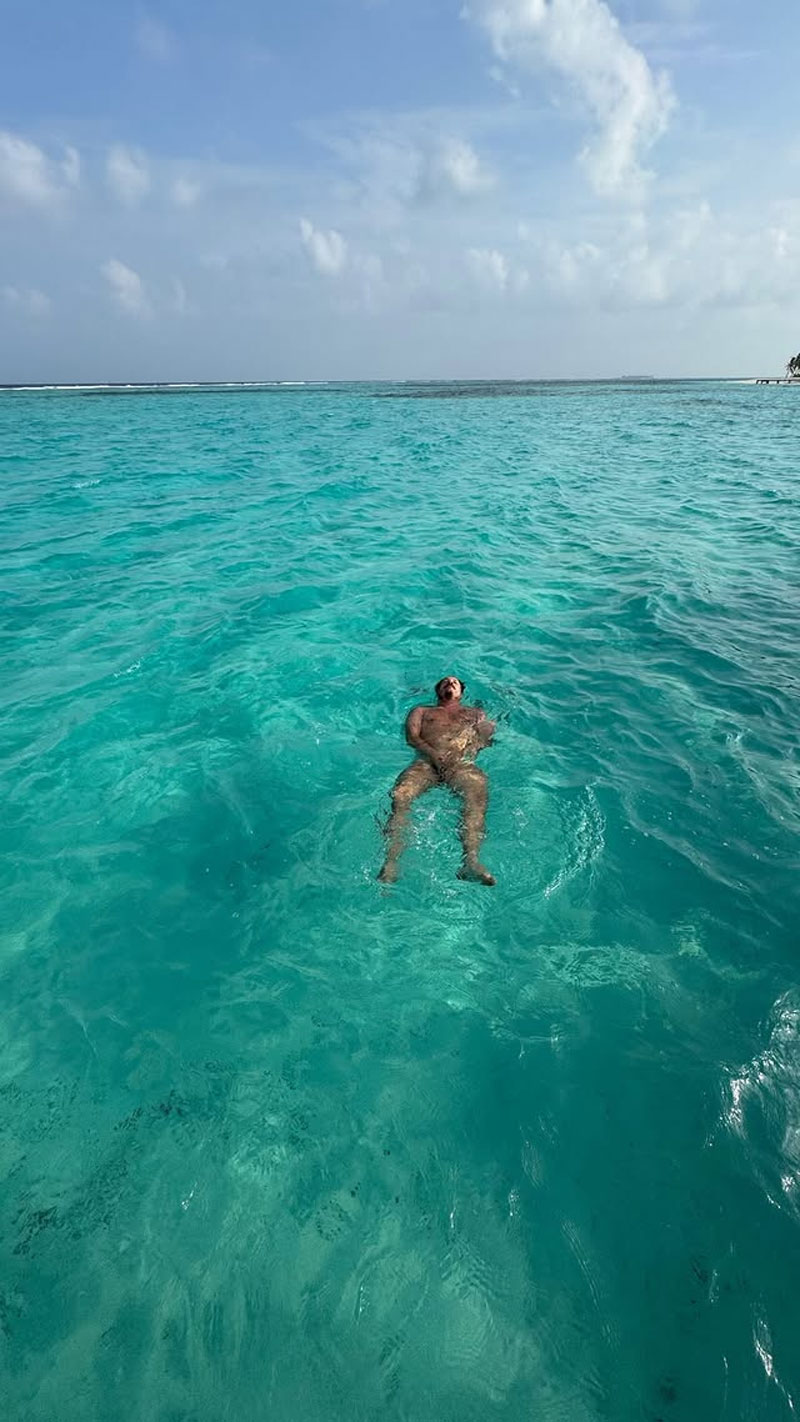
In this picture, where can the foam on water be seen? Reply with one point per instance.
(278, 1143)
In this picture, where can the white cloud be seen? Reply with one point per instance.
(782, 243)
(416, 256)
(185, 192)
(398, 163)
(689, 260)
(582, 41)
(127, 288)
(27, 175)
(327, 250)
(27, 299)
(71, 166)
(454, 164)
(128, 174)
(489, 267)
(154, 39)
(498, 74)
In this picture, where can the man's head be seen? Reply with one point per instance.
(448, 690)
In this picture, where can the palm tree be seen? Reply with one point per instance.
(793, 367)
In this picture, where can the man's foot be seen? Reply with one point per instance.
(476, 873)
(388, 874)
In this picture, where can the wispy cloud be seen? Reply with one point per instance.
(127, 288)
(453, 164)
(489, 266)
(581, 40)
(400, 162)
(128, 174)
(71, 166)
(692, 258)
(494, 272)
(28, 177)
(185, 191)
(27, 299)
(327, 250)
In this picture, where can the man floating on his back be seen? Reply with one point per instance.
(447, 737)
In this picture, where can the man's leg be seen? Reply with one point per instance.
(413, 781)
(471, 784)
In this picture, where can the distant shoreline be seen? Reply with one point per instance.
(177, 386)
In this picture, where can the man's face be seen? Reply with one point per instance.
(449, 689)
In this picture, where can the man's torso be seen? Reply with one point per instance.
(451, 731)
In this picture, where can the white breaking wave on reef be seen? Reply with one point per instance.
(166, 385)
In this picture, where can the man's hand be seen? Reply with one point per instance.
(444, 763)
(415, 738)
(485, 730)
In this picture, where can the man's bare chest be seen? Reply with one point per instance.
(437, 723)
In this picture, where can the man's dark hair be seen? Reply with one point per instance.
(440, 684)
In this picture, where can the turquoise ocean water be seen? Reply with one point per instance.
(278, 1144)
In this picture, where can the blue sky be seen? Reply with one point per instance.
(369, 188)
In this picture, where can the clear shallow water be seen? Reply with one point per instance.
(278, 1144)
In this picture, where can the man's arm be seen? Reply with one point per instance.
(415, 738)
(484, 728)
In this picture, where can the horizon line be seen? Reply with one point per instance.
(122, 385)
